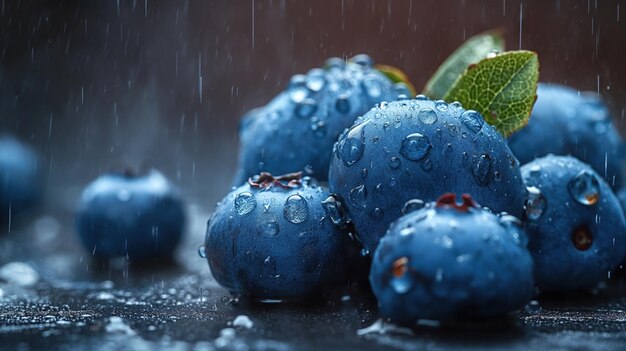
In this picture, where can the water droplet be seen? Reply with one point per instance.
(372, 86)
(481, 169)
(394, 163)
(448, 147)
(582, 238)
(123, 195)
(358, 195)
(202, 251)
(497, 176)
(427, 116)
(421, 97)
(296, 209)
(363, 60)
(401, 281)
(533, 307)
(315, 80)
(415, 147)
(343, 104)
(412, 205)
(297, 89)
(334, 209)
(427, 165)
(585, 188)
(365, 252)
(245, 203)
(364, 173)
(514, 227)
(319, 129)
(351, 147)
(472, 120)
(535, 204)
(441, 105)
(269, 228)
(334, 62)
(377, 213)
(306, 108)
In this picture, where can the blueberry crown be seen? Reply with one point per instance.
(448, 200)
(266, 180)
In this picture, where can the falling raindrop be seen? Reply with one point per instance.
(296, 209)
(415, 147)
(245, 203)
(585, 188)
(535, 204)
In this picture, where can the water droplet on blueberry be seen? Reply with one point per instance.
(394, 163)
(245, 203)
(296, 209)
(401, 281)
(585, 188)
(481, 169)
(535, 203)
(412, 205)
(427, 116)
(202, 251)
(415, 147)
(269, 228)
(306, 108)
(358, 196)
(342, 105)
(351, 147)
(472, 120)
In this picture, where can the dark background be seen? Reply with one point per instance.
(95, 85)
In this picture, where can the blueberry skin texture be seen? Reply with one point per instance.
(21, 184)
(296, 130)
(559, 264)
(444, 264)
(254, 250)
(139, 217)
(566, 122)
(420, 149)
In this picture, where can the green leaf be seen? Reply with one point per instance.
(396, 75)
(473, 50)
(502, 88)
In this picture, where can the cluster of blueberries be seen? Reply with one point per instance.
(343, 174)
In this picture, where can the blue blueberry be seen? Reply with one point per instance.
(21, 184)
(405, 153)
(270, 239)
(451, 261)
(296, 130)
(567, 122)
(576, 227)
(140, 217)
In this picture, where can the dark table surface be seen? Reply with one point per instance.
(81, 304)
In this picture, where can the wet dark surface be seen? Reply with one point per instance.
(81, 304)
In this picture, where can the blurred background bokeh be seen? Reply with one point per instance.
(103, 84)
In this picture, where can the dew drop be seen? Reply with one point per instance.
(394, 163)
(297, 89)
(401, 281)
(269, 228)
(533, 307)
(315, 80)
(245, 203)
(412, 205)
(427, 116)
(363, 60)
(377, 213)
(582, 238)
(415, 147)
(421, 97)
(427, 165)
(334, 209)
(202, 251)
(364, 173)
(472, 120)
(372, 86)
(342, 105)
(585, 188)
(535, 204)
(296, 209)
(358, 196)
(481, 169)
(351, 147)
(306, 108)
(441, 105)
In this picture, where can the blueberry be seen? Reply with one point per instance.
(270, 239)
(296, 130)
(125, 215)
(567, 122)
(575, 224)
(21, 184)
(451, 261)
(419, 149)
